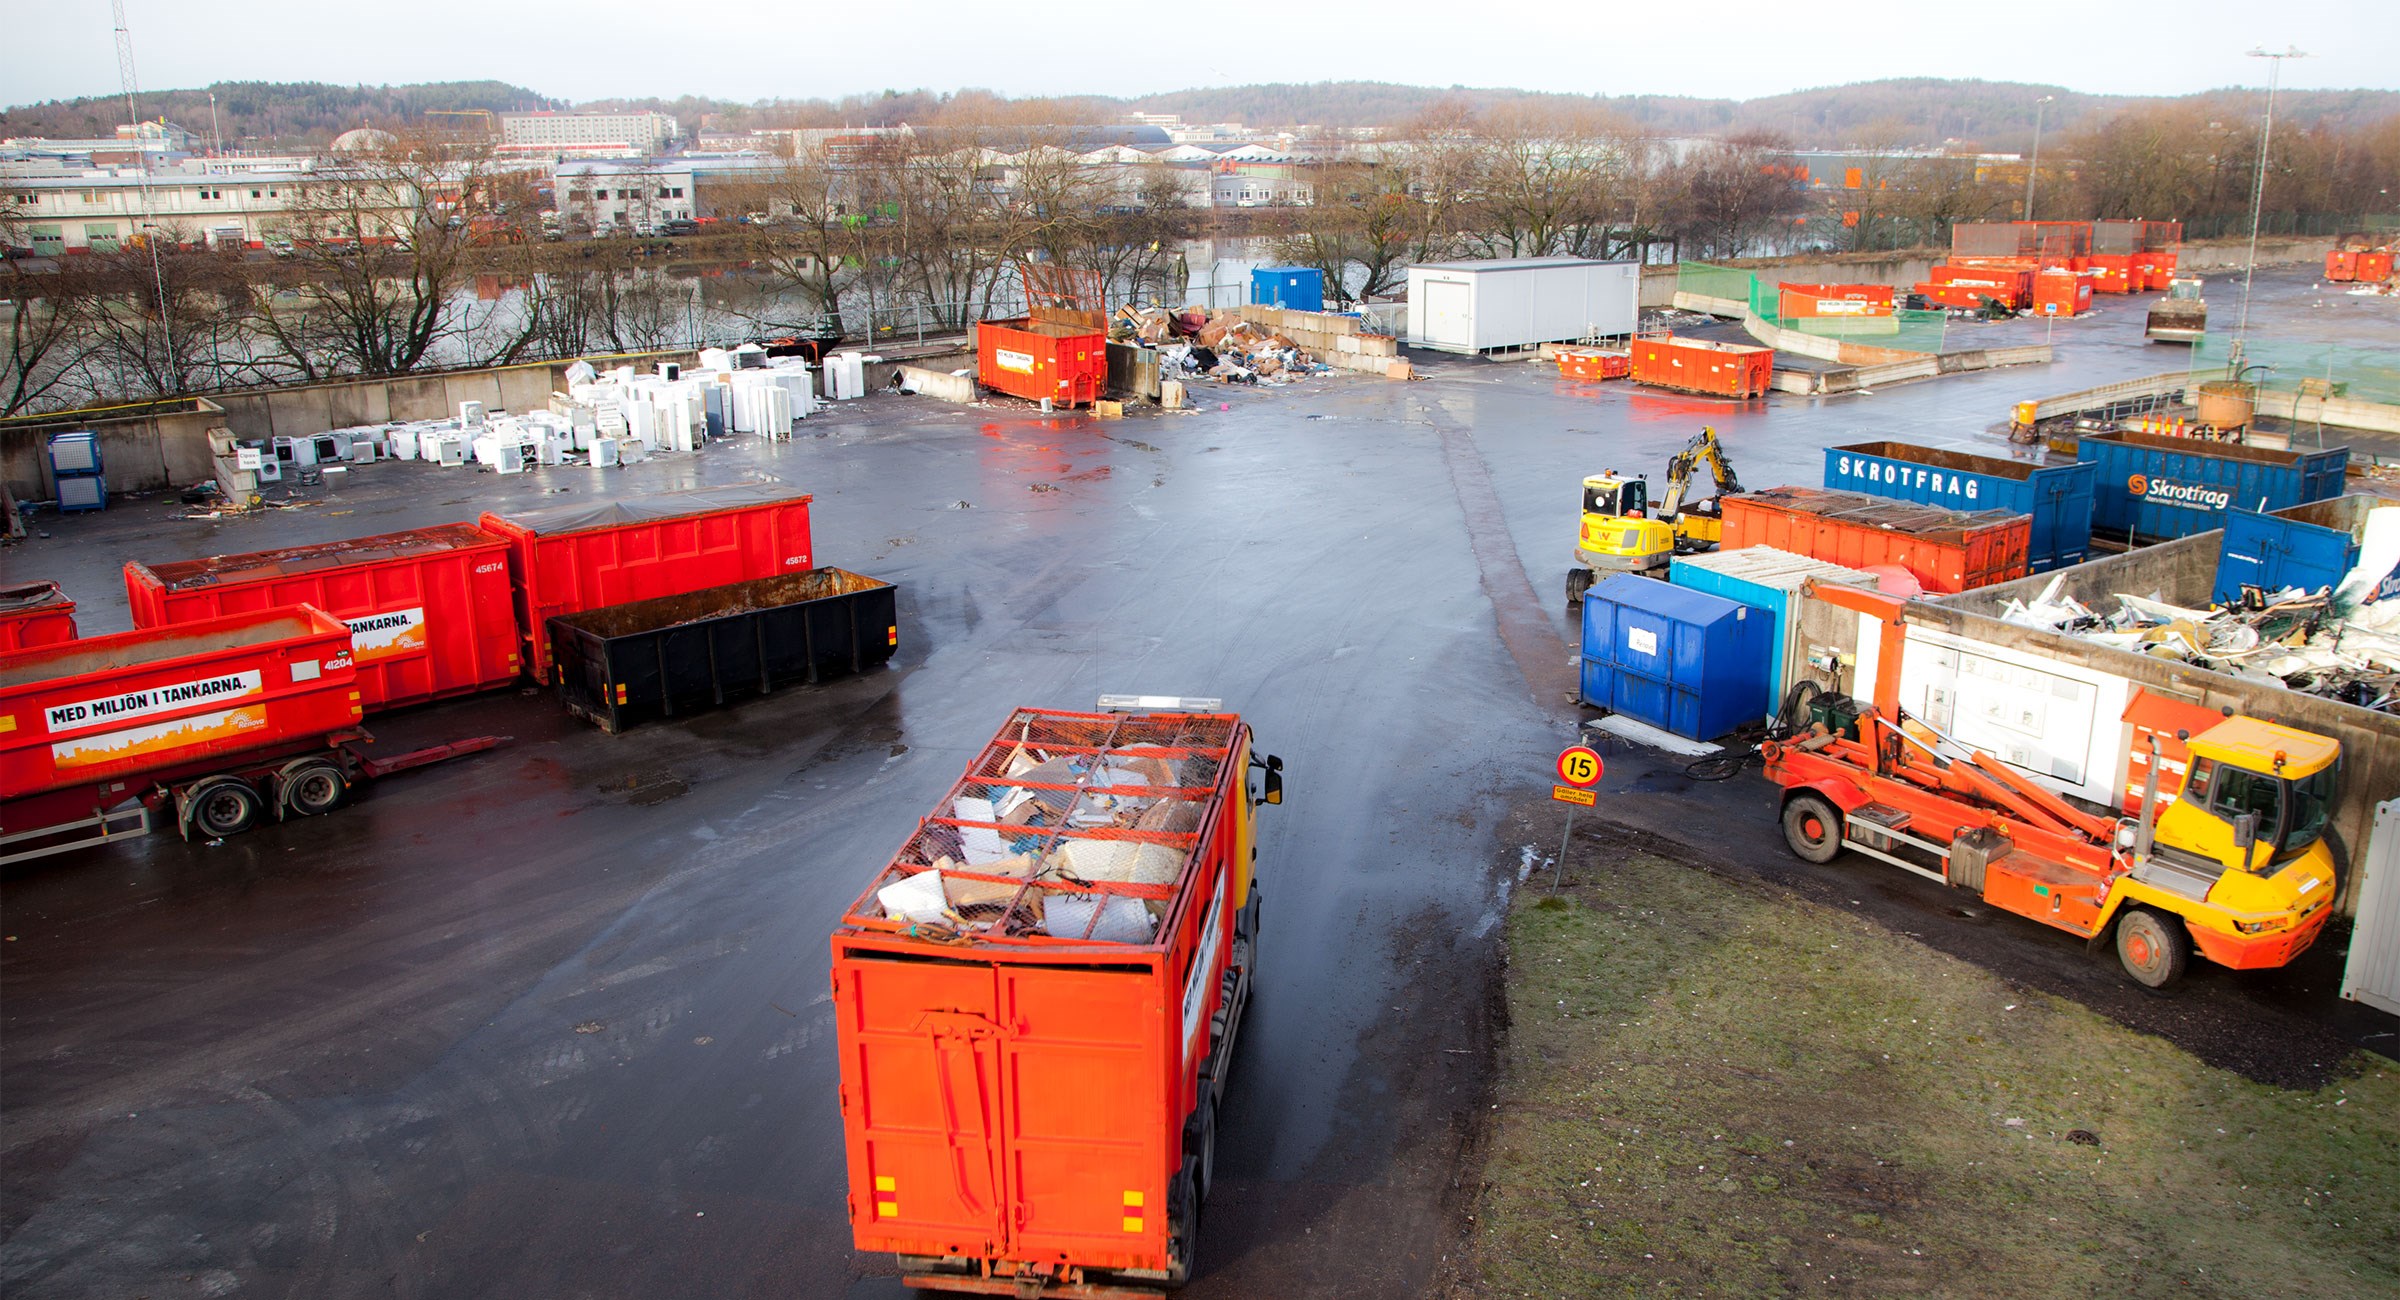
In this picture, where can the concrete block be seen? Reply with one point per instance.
(1108, 410)
(1399, 370)
(1347, 344)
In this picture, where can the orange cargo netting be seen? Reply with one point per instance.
(1067, 827)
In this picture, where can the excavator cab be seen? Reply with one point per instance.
(1617, 534)
(1609, 496)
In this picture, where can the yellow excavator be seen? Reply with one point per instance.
(1620, 535)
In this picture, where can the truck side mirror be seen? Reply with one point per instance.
(1273, 787)
(2245, 830)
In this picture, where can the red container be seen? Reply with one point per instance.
(2011, 285)
(2341, 265)
(1025, 1097)
(2114, 273)
(1809, 301)
(35, 613)
(2061, 293)
(160, 700)
(568, 559)
(1701, 366)
(2375, 266)
(1034, 359)
(1944, 550)
(430, 610)
(1594, 363)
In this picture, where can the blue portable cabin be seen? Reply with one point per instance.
(1683, 660)
(1298, 288)
(2058, 497)
(2153, 488)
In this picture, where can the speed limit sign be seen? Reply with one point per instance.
(1580, 766)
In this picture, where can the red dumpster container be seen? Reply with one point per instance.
(2011, 285)
(568, 559)
(2375, 266)
(2114, 273)
(1945, 550)
(2341, 265)
(1032, 1048)
(2061, 293)
(34, 613)
(1702, 366)
(430, 610)
(1034, 359)
(81, 714)
(1594, 363)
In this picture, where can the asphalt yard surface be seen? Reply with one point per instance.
(554, 1020)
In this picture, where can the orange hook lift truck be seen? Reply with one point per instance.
(2236, 865)
(1036, 1003)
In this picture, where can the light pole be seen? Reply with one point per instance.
(2258, 188)
(2035, 165)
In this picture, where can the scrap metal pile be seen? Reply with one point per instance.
(2320, 643)
(1222, 346)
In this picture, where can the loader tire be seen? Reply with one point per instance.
(1812, 826)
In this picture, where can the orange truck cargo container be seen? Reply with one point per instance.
(568, 559)
(1036, 1002)
(1034, 359)
(1963, 296)
(1944, 550)
(2061, 293)
(1594, 363)
(430, 610)
(2011, 285)
(1804, 301)
(1702, 366)
(34, 613)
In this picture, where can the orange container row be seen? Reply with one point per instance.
(2363, 265)
(1944, 550)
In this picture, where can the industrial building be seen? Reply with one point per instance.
(588, 135)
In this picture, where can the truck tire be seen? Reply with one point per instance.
(2152, 946)
(1204, 1158)
(313, 787)
(1183, 1225)
(222, 806)
(1812, 826)
(1579, 581)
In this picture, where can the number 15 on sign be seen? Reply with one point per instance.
(1579, 769)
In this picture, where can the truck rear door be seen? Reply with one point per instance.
(921, 1104)
(1090, 1142)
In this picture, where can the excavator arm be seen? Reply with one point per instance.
(1703, 449)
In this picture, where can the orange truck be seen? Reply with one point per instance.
(1036, 1003)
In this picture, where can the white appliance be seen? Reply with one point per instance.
(299, 453)
(470, 414)
(604, 452)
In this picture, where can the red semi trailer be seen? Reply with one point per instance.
(217, 723)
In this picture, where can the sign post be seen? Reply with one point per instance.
(1579, 769)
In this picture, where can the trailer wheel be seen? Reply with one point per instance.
(2153, 947)
(313, 787)
(224, 806)
(1204, 1159)
(1813, 827)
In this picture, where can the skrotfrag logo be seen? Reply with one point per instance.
(2139, 485)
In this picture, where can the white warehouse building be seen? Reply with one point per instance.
(1508, 304)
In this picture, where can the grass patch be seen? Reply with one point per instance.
(1713, 1089)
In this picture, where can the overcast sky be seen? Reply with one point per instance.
(1721, 48)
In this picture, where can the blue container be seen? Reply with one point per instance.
(1764, 579)
(2154, 488)
(2269, 553)
(2059, 497)
(1689, 662)
(1300, 288)
(74, 453)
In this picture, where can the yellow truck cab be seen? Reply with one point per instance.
(2240, 853)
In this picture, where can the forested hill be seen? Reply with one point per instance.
(1902, 112)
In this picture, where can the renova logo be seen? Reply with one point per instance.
(2139, 485)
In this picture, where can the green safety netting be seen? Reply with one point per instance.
(2360, 374)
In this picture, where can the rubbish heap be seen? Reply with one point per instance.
(2321, 643)
(1223, 346)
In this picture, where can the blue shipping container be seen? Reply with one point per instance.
(2270, 554)
(2059, 497)
(1689, 662)
(1764, 579)
(1300, 288)
(2155, 488)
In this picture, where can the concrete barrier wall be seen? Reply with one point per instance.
(138, 453)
